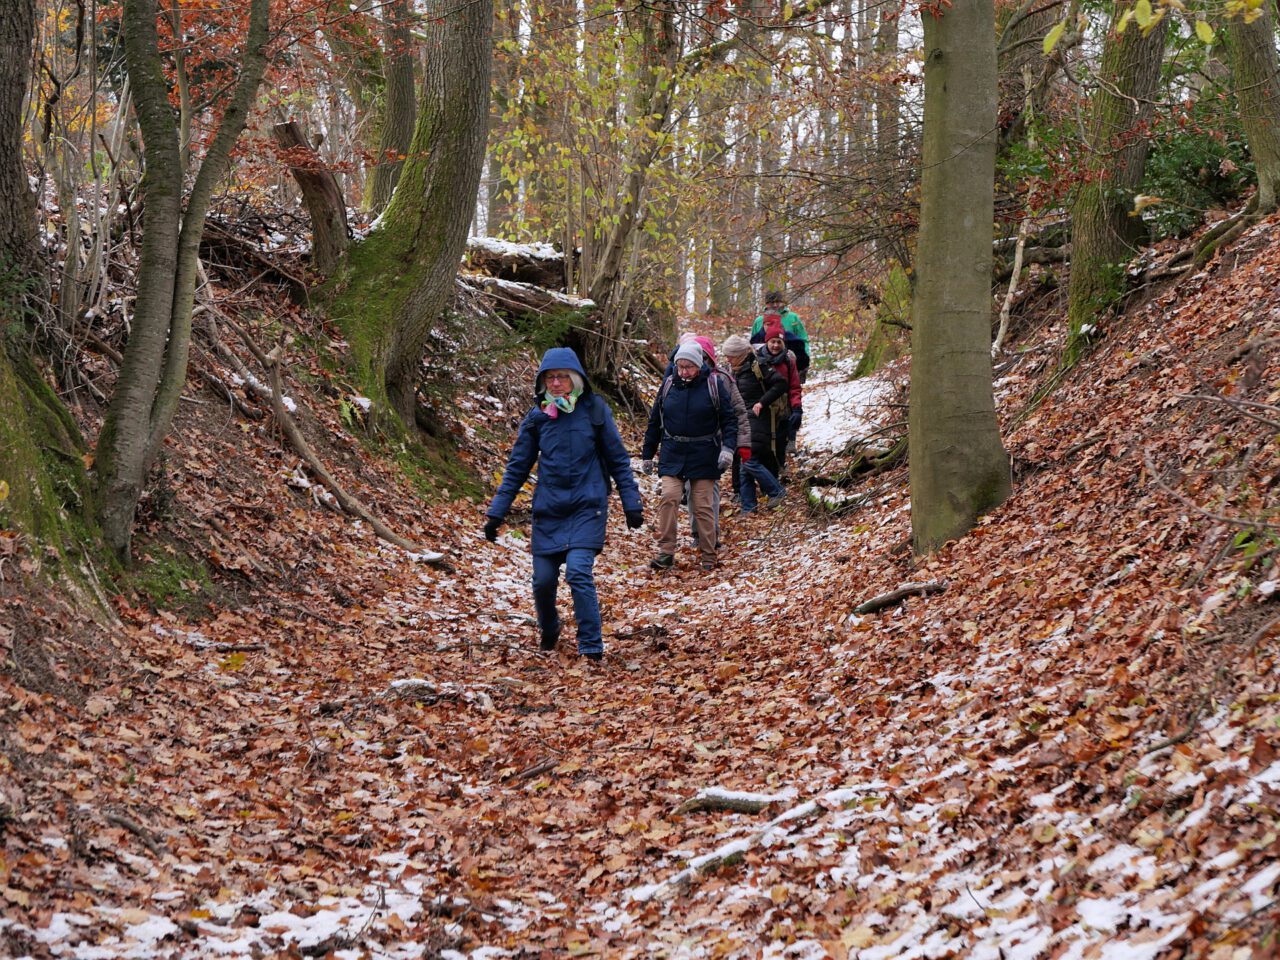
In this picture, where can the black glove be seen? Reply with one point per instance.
(635, 519)
(491, 529)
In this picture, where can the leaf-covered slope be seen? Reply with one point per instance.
(1070, 751)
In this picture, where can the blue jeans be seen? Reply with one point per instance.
(579, 572)
(753, 472)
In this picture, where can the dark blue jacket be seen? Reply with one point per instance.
(571, 498)
(687, 412)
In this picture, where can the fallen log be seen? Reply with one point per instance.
(539, 264)
(714, 799)
(894, 597)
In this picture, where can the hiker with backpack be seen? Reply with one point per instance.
(571, 436)
(794, 334)
(693, 431)
(729, 388)
(774, 354)
(762, 390)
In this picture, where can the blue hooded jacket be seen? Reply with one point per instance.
(571, 498)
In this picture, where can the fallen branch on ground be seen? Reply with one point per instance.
(138, 830)
(544, 767)
(894, 597)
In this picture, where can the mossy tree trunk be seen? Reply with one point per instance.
(958, 465)
(400, 278)
(399, 112)
(1102, 232)
(1257, 84)
(43, 486)
(154, 370)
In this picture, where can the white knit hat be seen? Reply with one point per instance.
(691, 352)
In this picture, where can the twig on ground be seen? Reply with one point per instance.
(533, 771)
(138, 830)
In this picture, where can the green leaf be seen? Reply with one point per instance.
(1053, 36)
(1204, 32)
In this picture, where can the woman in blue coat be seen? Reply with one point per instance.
(694, 430)
(571, 435)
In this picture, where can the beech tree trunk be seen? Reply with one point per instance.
(1102, 234)
(959, 468)
(401, 277)
(154, 370)
(400, 109)
(1257, 85)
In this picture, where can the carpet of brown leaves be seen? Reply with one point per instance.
(1069, 752)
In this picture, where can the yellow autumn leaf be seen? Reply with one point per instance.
(1053, 36)
(855, 938)
(233, 662)
(1204, 32)
(1143, 14)
(4, 490)
(185, 811)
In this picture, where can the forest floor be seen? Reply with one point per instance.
(1072, 749)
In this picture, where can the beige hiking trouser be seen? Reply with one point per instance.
(700, 493)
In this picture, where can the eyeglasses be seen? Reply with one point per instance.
(557, 376)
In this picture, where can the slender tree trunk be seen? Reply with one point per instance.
(1102, 233)
(402, 275)
(499, 189)
(321, 194)
(958, 466)
(154, 370)
(399, 113)
(1257, 85)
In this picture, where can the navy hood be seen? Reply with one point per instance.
(560, 358)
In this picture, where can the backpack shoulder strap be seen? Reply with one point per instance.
(713, 388)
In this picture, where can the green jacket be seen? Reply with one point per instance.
(790, 323)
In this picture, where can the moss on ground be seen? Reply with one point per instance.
(169, 578)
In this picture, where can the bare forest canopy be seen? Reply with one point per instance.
(997, 679)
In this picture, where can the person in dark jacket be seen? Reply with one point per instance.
(775, 354)
(571, 436)
(693, 430)
(759, 386)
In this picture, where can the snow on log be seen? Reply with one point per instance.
(716, 798)
(539, 264)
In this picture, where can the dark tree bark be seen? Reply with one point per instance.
(399, 113)
(321, 194)
(17, 211)
(959, 468)
(1102, 235)
(401, 277)
(154, 370)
